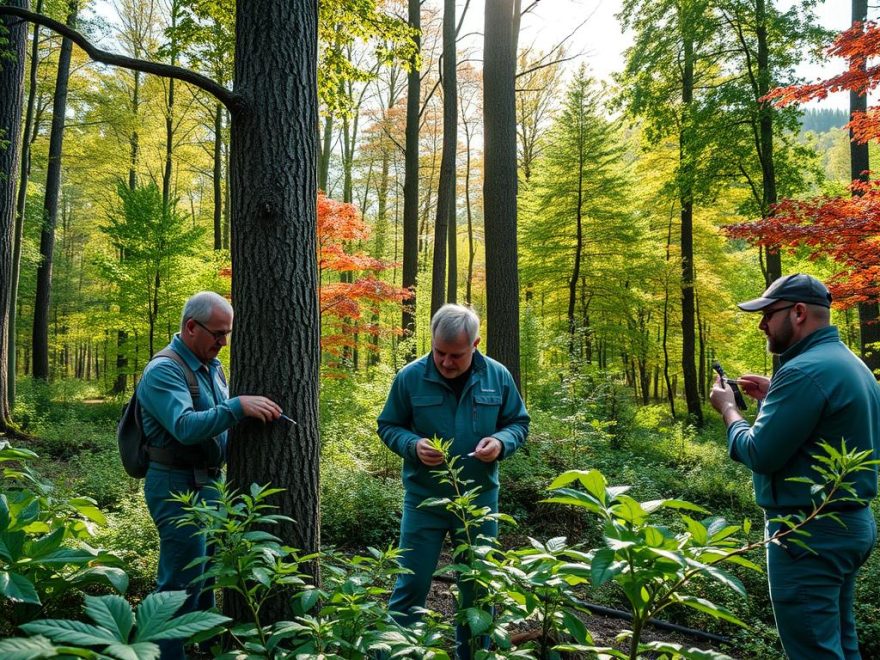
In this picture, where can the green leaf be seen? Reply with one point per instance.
(26, 648)
(155, 611)
(675, 650)
(18, 588)
(112, 613)
(684, 506)
(5, 518)
(721, 576)
(576, 628)
(189, 624)
(478, 620)
(110, 575)
(698, 532)
(602, 568)
(137, 651)
(629, 510)
(46, 544)
(88, 508)
(70, 632)
(708, 607)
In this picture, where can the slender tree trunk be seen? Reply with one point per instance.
(446, 187)
(869, 312)
(670, 390)
(579, 242)
(688, 338)
(50, 208)
(500, 182)
(218, 176)
(324, 162)
(12, 84)
(411, 186)
(26, 142)
(470, 220)
(274, 206)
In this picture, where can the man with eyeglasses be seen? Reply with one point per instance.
(185, 415)
(821, 392)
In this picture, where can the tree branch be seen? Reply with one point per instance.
(232, 101)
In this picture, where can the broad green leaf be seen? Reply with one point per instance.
(721, 576)
(112, 613)
(629, 510)
(18, 588)
(189, 624)
(42, 546)
(26, 648)
(698, 532)
(110, 575)
(155, 611)
(684, 506)
(602, 568)
(137, 651)
(88, 508)
(478, 620)
(566, 478)
(708, 607)
(653, 536)
(70, 632)
(676, 650)
(72, 556)
(576, 628)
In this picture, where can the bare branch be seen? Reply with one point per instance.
(231, 100)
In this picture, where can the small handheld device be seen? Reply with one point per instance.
(737, 394)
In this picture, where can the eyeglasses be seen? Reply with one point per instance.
(766, 316)
(219, 335)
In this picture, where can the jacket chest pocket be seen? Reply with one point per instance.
(487, 408)
(430, 417)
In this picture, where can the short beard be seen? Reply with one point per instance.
(781, 342)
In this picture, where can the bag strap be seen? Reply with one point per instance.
(191, 381)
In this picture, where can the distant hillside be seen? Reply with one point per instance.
(822, 120)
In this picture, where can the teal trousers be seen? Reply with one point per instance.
(812, 592)
(422, 532)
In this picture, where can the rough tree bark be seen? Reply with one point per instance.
(500, 182)
(443, 234)
(12, 84)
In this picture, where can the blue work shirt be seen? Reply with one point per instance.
(167, 406)
(821, 392)
(422, 404)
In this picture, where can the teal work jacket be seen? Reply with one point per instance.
(422, 405)
(820, 392)
(167, 407)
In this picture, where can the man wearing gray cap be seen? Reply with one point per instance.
(821, 392)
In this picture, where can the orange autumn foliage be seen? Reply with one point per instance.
(846, 229)
(347, 306)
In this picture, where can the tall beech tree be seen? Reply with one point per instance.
(20, 206)
(501, 34)
(40, 335)
(12, 63)
(411, 181)
(666, 67)
(275, 344)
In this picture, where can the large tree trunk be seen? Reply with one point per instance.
(869, 312)
(12, 84)
(688, 337)
(20, 206)
(274, 262)
(50, 208)
(446, 186)
(411, 186)
(500, 182)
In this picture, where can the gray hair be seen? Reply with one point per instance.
(451, 320)
(201, 305)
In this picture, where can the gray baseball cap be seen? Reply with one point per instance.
(794, 288)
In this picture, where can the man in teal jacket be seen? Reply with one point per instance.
(188, 443)
(821, 392)
(458, 394)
